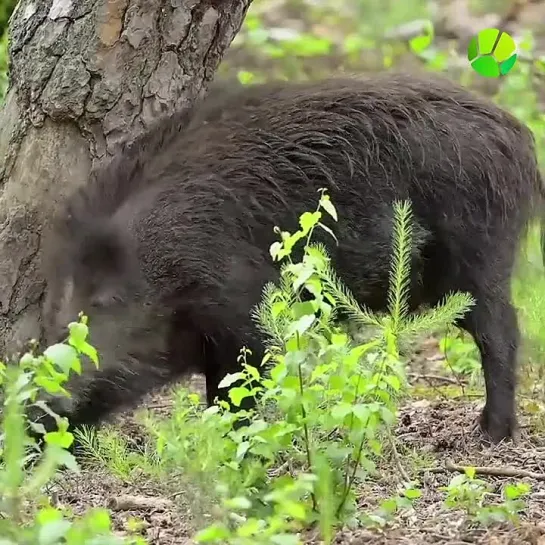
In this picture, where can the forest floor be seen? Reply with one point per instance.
(437, 430)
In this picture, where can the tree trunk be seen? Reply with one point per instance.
(85, 75)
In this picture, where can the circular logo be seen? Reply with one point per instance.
(492, 53)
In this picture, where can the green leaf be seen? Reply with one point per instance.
(250, 528)
(214, 532)
(237, 394)
(302, 277)
(277, 308)
(78, 333)
(257, 426)
(275, 250)
(68, 460)
(101, 521)
(340, 411)
(245, 77)
(230, 379)
(285, 539)
(62, 439)
(389, 505)
(314, 286)
(413, 493)
(327, 205)
(316, 255)
(52, 532)
(376, 446)
(304, 308)
(419, 43)
(301, 325)
(309, 46)
(514, 491)
(239, 503)
(27, 360)
(252, 371)
(63, 356)
(387, 415)
(90, 352)
(47, 515)
(393, 382)
(308, 220)
(294, 509)
(50, 385)
(328, 230)
(361, 412)
(242, 449)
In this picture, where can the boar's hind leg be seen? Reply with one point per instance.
(480, 263)
(493, 324)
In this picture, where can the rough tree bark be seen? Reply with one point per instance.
(85, 75)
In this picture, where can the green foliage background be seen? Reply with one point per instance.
(6, 7)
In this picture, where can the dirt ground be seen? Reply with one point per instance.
(435, 428)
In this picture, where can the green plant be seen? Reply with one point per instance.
(321, 385)
(116, 452)
(464, 491)
(388, 508)
(468, 493)
(25, 516)
(461, 355)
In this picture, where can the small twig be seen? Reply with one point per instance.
(130, 503)
(281, 468)
(155, 406)
(438, 378)
(486, 470)
(398, 463)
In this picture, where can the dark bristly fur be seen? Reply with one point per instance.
(166, 249)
